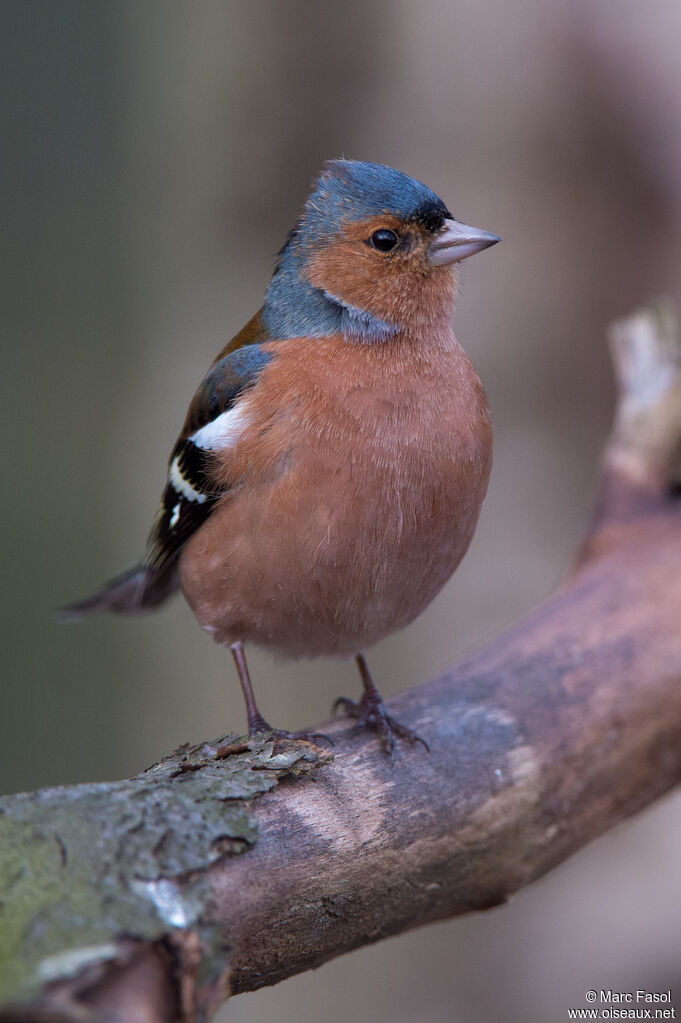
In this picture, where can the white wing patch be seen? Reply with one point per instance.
(175, 517)
(224, 431)
(182, 486)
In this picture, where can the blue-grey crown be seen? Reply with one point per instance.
(355, 190)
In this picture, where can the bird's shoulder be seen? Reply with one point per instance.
(235, 368)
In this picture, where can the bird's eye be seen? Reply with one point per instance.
(383, 240)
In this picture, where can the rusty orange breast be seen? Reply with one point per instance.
(350, 498)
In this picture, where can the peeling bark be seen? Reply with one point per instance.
(232, 866)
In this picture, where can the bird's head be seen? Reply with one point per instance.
(375, 250)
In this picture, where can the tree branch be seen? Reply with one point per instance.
(129, 900)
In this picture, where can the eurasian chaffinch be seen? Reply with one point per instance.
(330, 471)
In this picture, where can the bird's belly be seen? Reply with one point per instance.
(334, 555)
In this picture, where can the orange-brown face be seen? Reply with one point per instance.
(381, 265)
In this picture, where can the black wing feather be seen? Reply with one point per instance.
(190, 495)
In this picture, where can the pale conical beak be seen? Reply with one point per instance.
(458, 241)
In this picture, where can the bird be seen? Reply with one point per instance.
(333, 461)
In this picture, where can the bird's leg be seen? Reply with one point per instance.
(256, 722)
(370, 712)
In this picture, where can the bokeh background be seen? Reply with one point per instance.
(155, 155)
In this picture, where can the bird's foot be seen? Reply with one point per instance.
(280, 735)
(370, 713)
(258, 724)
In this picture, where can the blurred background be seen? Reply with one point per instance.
(156, 155)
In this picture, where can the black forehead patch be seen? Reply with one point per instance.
(431, 216)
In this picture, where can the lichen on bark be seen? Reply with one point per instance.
(84, 867)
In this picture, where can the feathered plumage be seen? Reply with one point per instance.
(331, 467)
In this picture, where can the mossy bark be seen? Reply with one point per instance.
(87, 869)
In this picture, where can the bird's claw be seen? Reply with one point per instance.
(281, 735)
(371, 713)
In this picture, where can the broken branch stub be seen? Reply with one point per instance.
(645, 443)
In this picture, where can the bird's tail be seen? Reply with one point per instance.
(134, 591)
